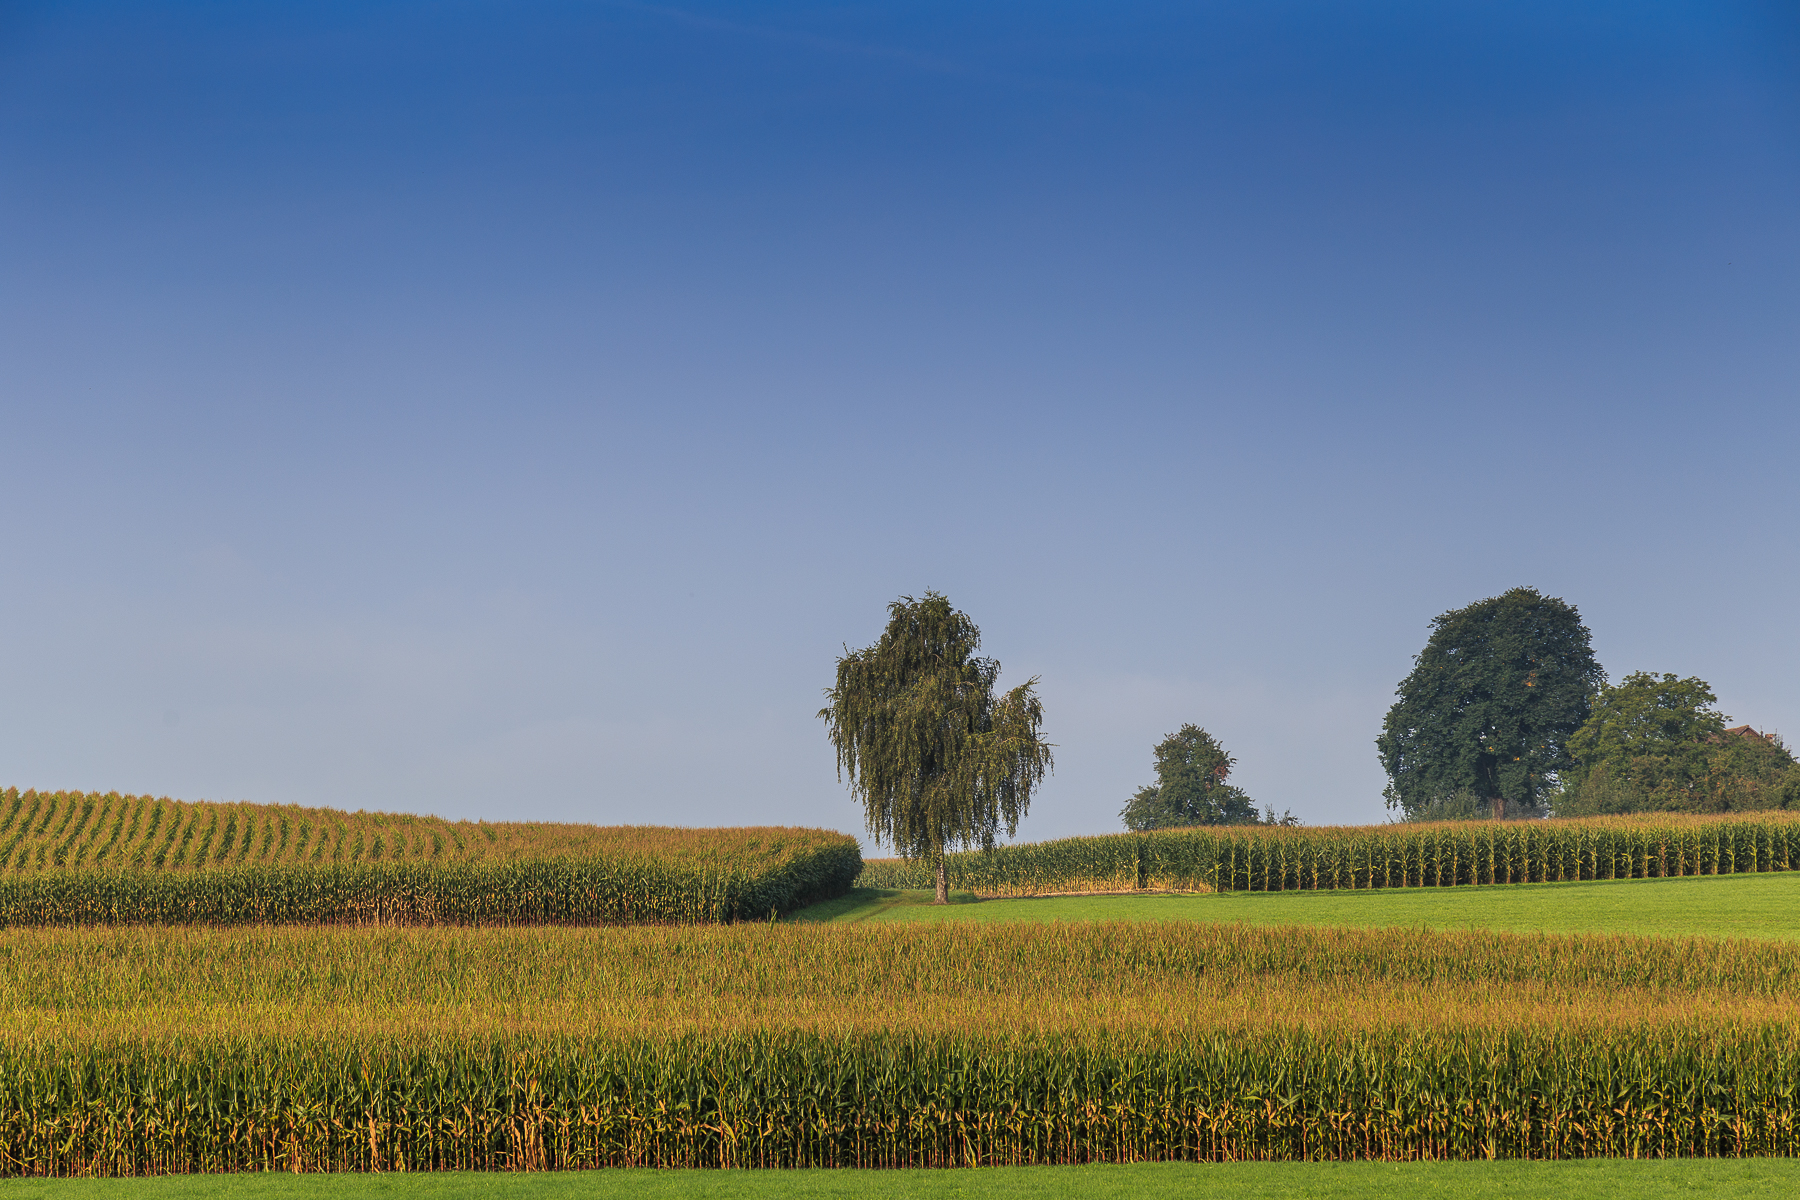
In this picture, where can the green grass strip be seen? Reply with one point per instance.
(1616, 1179)
(1753, 906)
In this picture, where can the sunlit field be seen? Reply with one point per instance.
(1763, 905)
(1740, 1179)
(1010, 1039)
(880, 1043)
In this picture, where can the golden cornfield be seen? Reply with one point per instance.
(68, 830)
(194, 987)
(71, 858)
(131, 1051)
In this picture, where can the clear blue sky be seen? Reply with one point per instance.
(510, 410)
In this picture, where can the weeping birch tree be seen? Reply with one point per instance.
(937, 759)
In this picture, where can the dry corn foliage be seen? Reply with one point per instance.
(101, 985)
(129, 1051)
(864, 970)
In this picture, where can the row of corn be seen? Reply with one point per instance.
(623, 889)
(1447, 854)
(875, 1099)
(1023, 973)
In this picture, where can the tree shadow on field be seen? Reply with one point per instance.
(859, 904)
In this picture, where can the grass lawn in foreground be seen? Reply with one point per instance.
(1760, 905)
(1615, 1179)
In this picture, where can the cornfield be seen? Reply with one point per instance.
(66, 830)
(236, 988)
(69, 858)
(892, 1100)
(1446, 854)
(878, 975)
(145, 1050)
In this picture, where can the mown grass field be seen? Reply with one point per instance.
(1752, 906)
(1742, 1179)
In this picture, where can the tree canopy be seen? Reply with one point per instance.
(1490, 704)
(1646, 719)
(1190, 787)
(936, 757)
(1658, 743)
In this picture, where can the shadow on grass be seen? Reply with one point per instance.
(859, 904)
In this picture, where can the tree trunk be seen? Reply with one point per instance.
(1499, 808)
(943, 896)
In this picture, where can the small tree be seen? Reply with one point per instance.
(936, 758)
(1490, 704)
(1190, 787)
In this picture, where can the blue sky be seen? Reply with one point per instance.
(509, 411)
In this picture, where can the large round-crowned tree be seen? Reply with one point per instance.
(1491, 703)
(936, 757)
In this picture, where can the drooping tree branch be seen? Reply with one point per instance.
(936, 758)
